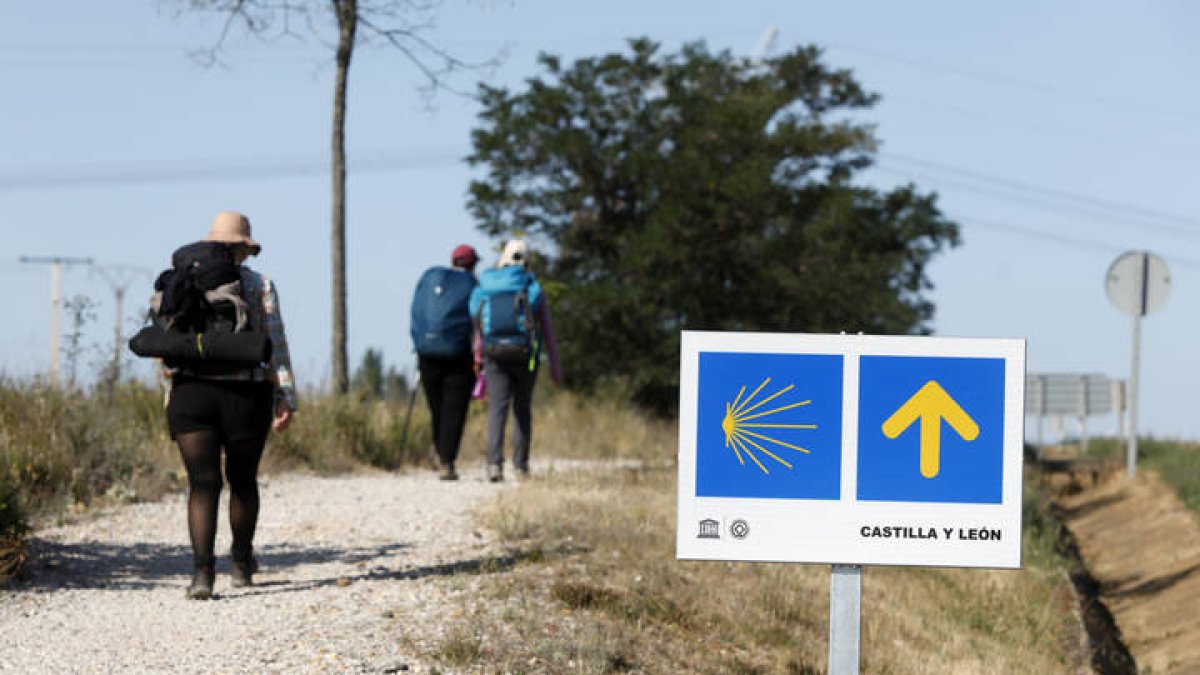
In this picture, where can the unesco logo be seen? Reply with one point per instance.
(739, 529)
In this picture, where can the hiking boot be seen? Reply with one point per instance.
(242, 572)
(448, 473)
(495, 473)
(201, 587)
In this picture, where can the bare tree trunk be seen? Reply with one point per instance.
(347, 17)
(399, 23)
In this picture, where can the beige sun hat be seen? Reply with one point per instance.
(232, 227)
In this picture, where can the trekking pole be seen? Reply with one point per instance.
(412, 398)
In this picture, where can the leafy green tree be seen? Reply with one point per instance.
(368, 380)
(700, 191)
(395, 385)
(372, 381)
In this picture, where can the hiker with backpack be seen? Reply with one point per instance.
(441, 334)
(218, 328)
(512, 320)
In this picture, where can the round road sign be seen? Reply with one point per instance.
(1138, 282)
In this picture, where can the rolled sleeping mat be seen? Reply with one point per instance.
(245, 347)
(248, 348)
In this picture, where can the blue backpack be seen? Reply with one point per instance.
(503, 308)
(441, 322)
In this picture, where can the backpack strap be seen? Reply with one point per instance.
(523, 296)
(531, 326)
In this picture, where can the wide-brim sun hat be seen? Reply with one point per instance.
(232, 227)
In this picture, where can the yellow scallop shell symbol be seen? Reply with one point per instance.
(737, 425)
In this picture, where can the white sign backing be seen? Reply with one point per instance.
(851, 449)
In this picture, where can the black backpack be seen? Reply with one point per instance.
(198, 318)
(201, 291)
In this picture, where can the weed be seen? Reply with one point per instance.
(13, 526)
(584, 596)
(460, 647)
(1177, 462)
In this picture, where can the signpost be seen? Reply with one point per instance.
(850, 450)
(1137, 283)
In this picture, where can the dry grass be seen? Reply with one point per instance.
(340, 434)
(64, 451)
(598, 588)
(13, 526)
(611, 575)
(567, 425)
(1177, 462)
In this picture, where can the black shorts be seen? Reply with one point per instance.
(236, 410)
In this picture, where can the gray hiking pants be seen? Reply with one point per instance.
(509, 383)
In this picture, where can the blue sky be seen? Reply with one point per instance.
(1059, 134)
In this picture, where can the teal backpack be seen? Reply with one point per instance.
(504, 313)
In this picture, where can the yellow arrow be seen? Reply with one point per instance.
(931, 404)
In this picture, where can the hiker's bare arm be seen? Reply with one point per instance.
(283, 416)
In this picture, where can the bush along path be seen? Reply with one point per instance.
(358, 574)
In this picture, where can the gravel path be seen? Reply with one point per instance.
(358, 572)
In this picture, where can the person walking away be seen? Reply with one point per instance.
(213, 409)
(512, 318)
(441, 334)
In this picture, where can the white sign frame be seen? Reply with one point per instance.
(831, 531)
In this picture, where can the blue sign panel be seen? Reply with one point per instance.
(931, 429)
(769, 425)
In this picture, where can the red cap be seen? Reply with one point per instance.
(464, 256)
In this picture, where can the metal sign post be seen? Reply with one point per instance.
(845, 619)
(1135, 362)
(1137, 283)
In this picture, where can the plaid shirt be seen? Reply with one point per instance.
(263, 308)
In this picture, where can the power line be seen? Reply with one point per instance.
(1009, 81)
(183, 171)
(1054, 193)
(86, 49)
(251, 168)
(1160, 152)
(1058, 238)
(1076, 209)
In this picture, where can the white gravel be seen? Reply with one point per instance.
(357, 573)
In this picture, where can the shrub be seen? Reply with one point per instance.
(338, 433)
(13, 526)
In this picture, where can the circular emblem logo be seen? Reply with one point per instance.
(739, 529)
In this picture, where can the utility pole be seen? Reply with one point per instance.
(56, 263)
(119, 277)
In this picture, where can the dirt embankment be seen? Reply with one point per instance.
(1142, 547)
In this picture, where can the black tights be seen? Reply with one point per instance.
(201, 452)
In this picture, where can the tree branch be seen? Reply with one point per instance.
(409, 42)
